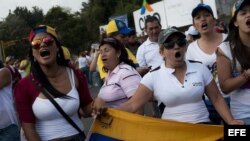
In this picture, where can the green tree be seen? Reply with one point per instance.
(15, 29)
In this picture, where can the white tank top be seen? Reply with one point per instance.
(50, 124)
(7, 110)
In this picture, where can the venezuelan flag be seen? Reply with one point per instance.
(119, 125)
(145, 6)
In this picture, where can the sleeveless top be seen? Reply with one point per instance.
(50, 124)
(240, 98)
(7, 110)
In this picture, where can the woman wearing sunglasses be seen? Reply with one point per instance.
(122, 79)
(51, 74)
(179, 84)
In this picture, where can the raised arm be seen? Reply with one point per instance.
(227, 82)
(93, 64)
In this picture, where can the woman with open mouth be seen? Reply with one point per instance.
(203, 49)
(179, 85)
(49, 98)
(122, 79)
(233, 62)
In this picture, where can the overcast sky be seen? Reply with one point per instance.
(6, 5)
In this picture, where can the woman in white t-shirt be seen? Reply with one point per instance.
(179, 84)
(203, 49)
(233, 62)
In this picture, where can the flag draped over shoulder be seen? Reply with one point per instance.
(145, 6)
(119, 125)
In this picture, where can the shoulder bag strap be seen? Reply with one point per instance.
(45, 92)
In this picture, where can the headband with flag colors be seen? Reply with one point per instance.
(145, 6)
(42, 29)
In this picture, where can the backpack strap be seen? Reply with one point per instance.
(58, 107)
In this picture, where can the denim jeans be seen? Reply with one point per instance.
(96, 79)
(10, 133)
(213, 114)
(78, 137)
(246, 121)
(85, 70)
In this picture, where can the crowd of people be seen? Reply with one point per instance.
(200, 77)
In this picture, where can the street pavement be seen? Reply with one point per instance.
(87, 122)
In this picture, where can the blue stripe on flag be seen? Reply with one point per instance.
(100, 137)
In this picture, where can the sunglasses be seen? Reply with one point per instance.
(36, 44)
(180, 42)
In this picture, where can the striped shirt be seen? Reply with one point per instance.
(119, 85)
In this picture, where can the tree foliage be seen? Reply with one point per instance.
(76, 30)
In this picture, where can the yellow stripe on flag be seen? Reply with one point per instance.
(132, 127)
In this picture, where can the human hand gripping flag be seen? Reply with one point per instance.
(117, 125)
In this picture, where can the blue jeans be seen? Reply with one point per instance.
(246, 121)
(85, 70)
(77, 137)
(96, 79)
(213, 114)
(10, 133)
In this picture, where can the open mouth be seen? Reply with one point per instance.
(204, 25)
(104, 60)
(248, 22)
(44, 53)
(177, 55)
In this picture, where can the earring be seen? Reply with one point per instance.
(58, 55)
(34, 59)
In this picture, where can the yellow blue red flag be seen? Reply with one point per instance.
(145, 6)
(119, 125)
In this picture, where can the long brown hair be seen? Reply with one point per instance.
(238, 49)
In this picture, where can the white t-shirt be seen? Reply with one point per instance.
(83, 62)
(183, 101)
(148, 54)
(7, 109)
(240, 98)
(195, 53)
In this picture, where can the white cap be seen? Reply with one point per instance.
(192, 31)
